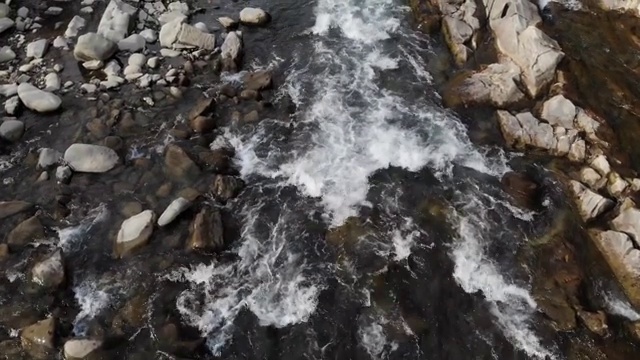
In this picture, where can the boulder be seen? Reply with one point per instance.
(8, 89)
(26, 232)
(590, 177)
(458, 26)
(40, 334)
(254, 16)
(202, 108)
(10, 208)
(177, 34)
(50, 271)
(628, 221)
(37, 48)
(6, 24)
(48, 157)
(559, 111)
(4, 10)
(495, 85)
(226, 187)
(177, 207)
(91, 158)
(38, 100)
(601, 165)
(231, 51)
(257, 80)
(75, 25)
(623, 259)
(206, 232)
(81, 349)
(620, 5)
(590, 204)
(92, 46)
(52, 82)
(149, 35)
(114, 24)
(596, 322)
(132, 43)
(134, 233)
(227, 22)
(11, 130)
(11, 105)
(526, 11)
(6, 54)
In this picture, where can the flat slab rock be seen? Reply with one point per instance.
(91, 158)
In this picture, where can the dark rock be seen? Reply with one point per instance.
(26, 232)
(595, 322)
(130, 208)
(132, 314)
(258, 80)
(180, 133)
(11, 349)
(97, 128)
(178, 164)
(202, 107)
(217, 160)
(113, 142)
(226, 187)
(252, 116)
(250, 95)
(228, 90)
(202, 124)
(206, 232)
(4, 251)
(10, 208)
(521, 188)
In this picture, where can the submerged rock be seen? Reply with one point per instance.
(178, 164)
(178, 34)
(92, 46)
(231, 51)
(177, 207)
(50, 271)
(10, 208)
(522, 189)
(81, 349)
(226, 187)
(40, 334)
(91, 158)
(134, 233)
(26, 232)
(206, 232)
(258, 80)
(38, 100)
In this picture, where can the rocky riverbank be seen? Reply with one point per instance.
(545, 81)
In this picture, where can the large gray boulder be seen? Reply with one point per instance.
(230, 51)
(91, 158)
(559, 111)
(38, 100)
(114, 24)
(6, 24)
(11, 130)
(92, 46)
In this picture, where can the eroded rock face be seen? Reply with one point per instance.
(628, 221)
(134, 232)
(206, 232)
(589, 203)
(226, 187)
(623, 259)
(458, 26)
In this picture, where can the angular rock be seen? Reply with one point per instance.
(459, 23)
(226, 187)
(623, 259)
(11, 105)
(178, 164)
(254, 16)
(4, 10)
(81, 349)
(522, 189)
(590, 177)
(227, 22)
(615, 184)
(6, 54)
(559, 111)
(601, 165)
(138, 60)
(231, 51)
(39, 334)
(8, 89)
(206, 232)
(258, 80)
(63, 174)
(134, 233)
(10, 208)
(53, 10)
(52, 82)
(202, 124)
(202, 108)
(578, 151)
(75, 25)
(628, 221)
(26, 232)
(6, 24)
(177, 34)
(132, 43)
(149, 35)
(589, 203)
(38, 100)
(524, 129)
(177, 207)
(36, 49)
(11, 130)
(50, 271)
(114, 24)
(91, 158)
(595, 322)
(48, 157)
(92, 46)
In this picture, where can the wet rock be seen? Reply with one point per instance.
(81, 349)
(559, 111)
(595, 322)
(589, 203)
(202, 124)
(63, 174)
(75, 25)
(522, 190)
(206, 232)
(495, 85)
(11, 105)
(8, 89)
(249, 95)
(92, 46)
(577, 151)
(178, 34)
(628, 221)
(258, 80)
(36, 49)
(38, 100)
(226, 187)
(11, 130)
(227, 22)
(623, 259)
(217, 160)
(40, 334)
(134, 233)
(590, 177)
(6, 54)
(601, 165)
(91, 158)
(178, 164)
(26, 232)
(153, 62)
(177, 207)
(254, 16)
(6, 24)
(202, 108)
(10, 208)
(250, 117)
(132, 43)
(114, 24)
(50, 271)
(231, 51)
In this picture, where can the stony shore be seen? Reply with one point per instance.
(505, 61)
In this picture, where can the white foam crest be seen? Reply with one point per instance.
(373, 339)
(70, 236)
(621, 307)
(93, 297)
(366, 22)
(268, 279)
(511, 304)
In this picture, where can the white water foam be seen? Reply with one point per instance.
(374, 340)
(71, 236)
(92, 297)
(621, 307)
